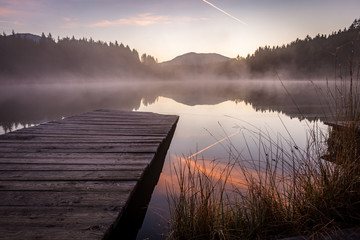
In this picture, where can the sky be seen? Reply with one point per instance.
(168, 28)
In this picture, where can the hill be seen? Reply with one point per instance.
(29, 36)
(193, 58)
(322, 57)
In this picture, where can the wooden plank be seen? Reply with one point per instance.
(131, 166)
(49, 129)
(99, 121)
(67, 218)
(68, 156)
(82, 150)
(127, 125)
(128, 148)
(141, 121)
(136, 130)
(64, 199)
(73, 161)
(125, 114)
(89, 133)
(64, 140)
(69, 138)
(78, 177)
(67, 186)
(124, 117)
(114, 123)
(122, 129)
(24, 175)
(45, 145)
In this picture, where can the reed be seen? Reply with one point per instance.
(285, 190)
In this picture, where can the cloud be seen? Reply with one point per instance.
(70, 23)
(5, 12)
(22, 3)
(67, 19)
(224, 12)
(11, 22)
(144, 19)
(19, 8)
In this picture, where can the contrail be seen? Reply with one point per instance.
(227, 137)
(224, 12)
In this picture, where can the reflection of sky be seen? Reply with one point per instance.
(167, 28)
(200, 126)
(33, 104)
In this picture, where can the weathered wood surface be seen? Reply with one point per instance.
(74, 178)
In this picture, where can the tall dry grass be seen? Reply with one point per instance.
(285, 190)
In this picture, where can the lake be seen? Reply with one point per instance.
(217, 119)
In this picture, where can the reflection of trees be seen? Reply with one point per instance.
(43, 56)
(32, 105)
(8, 126)
(304, 102)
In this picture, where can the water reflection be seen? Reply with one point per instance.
(209, 112)
(32, 104)
(225, 132)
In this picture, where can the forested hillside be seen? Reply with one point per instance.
(30, 57)
(27, 58)
(311, 57)
(321, 57)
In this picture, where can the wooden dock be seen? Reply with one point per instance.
(84, 177)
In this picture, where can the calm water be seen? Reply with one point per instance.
(234, 112)
(200, 126)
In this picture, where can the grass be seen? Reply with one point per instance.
(284, 191)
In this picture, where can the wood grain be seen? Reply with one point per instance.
(73, 178)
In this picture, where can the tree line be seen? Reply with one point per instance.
(323, 56)
(23, 56)
(310, 57)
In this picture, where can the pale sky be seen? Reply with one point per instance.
(168, 28)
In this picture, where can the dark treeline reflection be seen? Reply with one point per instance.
(32, 104)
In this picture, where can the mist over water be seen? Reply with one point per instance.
(239, 123)
(26, 104)
(208, 110)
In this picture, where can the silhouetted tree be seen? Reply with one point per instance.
(148, 60)
(311, 57)
(21, 56)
